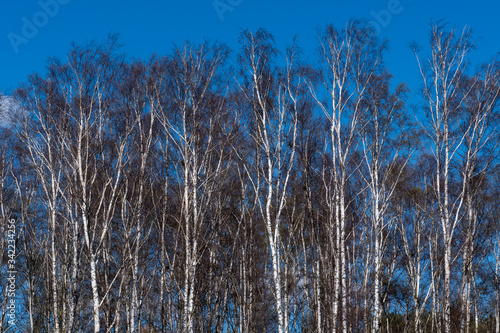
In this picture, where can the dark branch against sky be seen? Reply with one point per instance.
(156, 193)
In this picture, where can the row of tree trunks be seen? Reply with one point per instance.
(203, 193)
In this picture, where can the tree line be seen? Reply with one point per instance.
(213, 190)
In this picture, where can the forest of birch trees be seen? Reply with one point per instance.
(250, 190)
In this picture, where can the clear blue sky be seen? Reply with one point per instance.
(154, 26)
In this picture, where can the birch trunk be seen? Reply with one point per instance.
(275, 114)
(441, 89)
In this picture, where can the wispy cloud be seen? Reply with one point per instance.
(8, 110)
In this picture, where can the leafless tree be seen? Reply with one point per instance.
(442, 74)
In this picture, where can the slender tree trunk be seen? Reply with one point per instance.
(55, 274)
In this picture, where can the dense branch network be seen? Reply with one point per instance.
(201, 192)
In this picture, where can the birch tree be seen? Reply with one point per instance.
(348, 59)
(442, 74)
(40, 137)
(383, 134)
(273, 99)
(479, 127)
(96, 166)
(414, 203)
(192, 129)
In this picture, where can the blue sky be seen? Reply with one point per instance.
(154, 26)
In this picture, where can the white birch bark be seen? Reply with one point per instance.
(275, 114)
(441, 88)
(349, 60)
(42, 157)
(193, 83)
